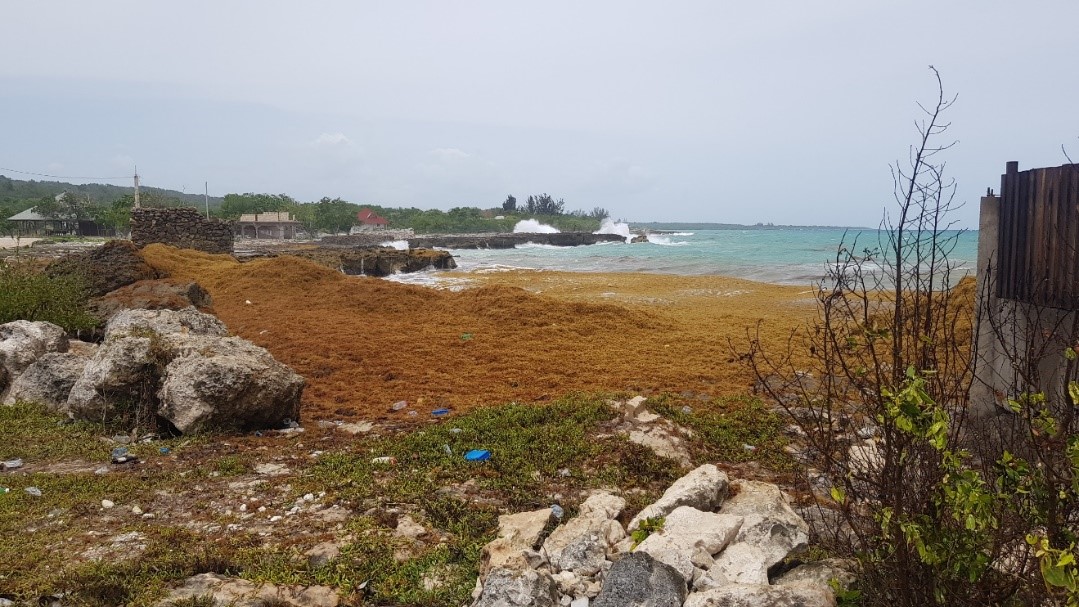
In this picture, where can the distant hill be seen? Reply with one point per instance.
(18, 194)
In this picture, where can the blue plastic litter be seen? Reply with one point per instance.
(478, 455)
(440, 412)
(164, 450)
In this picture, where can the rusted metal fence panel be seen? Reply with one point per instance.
(1038, 239)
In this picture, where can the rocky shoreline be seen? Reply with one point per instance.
(477, 241)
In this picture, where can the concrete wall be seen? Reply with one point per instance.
(185, 228)
(1020, 347)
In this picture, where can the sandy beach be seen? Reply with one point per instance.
(7, 242)
(524, 336)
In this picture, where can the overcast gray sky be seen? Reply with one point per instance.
(743, 112)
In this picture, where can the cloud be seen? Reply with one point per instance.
(332, 156)
(329, 140)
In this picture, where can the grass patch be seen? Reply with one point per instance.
(724, 427)
(31, 432)
(541, 455)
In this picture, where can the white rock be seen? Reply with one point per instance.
(821, 573)
(188, 321)
(669, 552)
(740, 563)
(107, 504)
(751, 595)
(704, 488)
(22, 342)
(865, 458)
(48, 380)
(770, 524)
(518, 535)
(581, 544)
(409, 528)
(271, 469)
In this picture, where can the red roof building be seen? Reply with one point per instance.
(367, 217)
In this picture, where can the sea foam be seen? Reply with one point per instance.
(610, 226)
(663, 240)
(531, 226)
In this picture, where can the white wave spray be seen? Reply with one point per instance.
(610, 226)
(665, 241)
(400, 245)
(531, 226)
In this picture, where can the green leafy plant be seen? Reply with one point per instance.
(650, 525)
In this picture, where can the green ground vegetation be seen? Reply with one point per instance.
(28, 294)
(541, 455)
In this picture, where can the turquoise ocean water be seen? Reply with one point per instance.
(779, 255)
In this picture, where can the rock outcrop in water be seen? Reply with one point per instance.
(379, 261)
(479, 241)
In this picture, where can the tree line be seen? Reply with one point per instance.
(110, 206)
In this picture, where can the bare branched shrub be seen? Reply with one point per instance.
(883, 405)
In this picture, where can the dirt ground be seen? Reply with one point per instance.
(366, 343)
(7, 242)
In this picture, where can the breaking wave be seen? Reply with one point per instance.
(531, 226)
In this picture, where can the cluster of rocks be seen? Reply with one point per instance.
(706, 542)
(183, 227)
(378, 261)
(483, 241)
(180, 366)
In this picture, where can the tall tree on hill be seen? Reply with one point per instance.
(510, 205)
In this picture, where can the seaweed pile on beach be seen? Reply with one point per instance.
(364, 344)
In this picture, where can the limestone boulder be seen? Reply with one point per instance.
(687, 530)
(802, 594)
(164, 322)
(821, 573)
(48, 380)
(770, 524)
(581, 545)
(638, 580)
(508, 588)
(179, 365)
(704, 488)
(740, 563)
(226, 383)
(518, 536)
(22, 342)
(122, 372)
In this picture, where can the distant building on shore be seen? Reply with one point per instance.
(273, 225)
(369, 220)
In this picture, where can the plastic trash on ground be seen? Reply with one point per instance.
(478, 455)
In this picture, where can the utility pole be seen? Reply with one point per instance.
(206, 197)
(136, 186)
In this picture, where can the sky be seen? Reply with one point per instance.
(788, 112)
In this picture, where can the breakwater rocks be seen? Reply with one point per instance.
(477, 241)
(378, 261)
(184, 228)
(707, 542)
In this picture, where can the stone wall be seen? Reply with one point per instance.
(183, 227)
